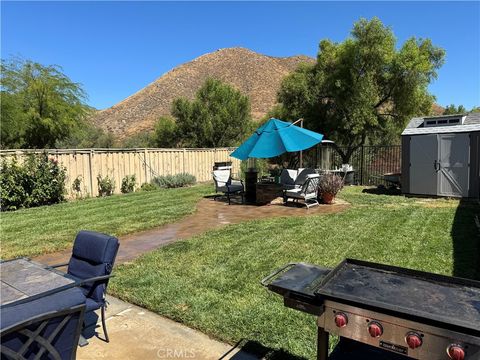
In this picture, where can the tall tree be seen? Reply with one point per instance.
(44, 103)
(452, 109)
(363, 89)
(218, 116)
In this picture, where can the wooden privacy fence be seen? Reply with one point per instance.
(145, 164)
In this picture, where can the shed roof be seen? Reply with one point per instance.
(416, 125)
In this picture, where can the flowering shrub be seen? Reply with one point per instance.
(39, 180)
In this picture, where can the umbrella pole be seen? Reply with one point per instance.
(301, 152)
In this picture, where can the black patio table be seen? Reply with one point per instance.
(32, 296)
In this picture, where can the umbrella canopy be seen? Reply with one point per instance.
(274, 138)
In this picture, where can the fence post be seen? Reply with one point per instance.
(90, 167)
(145, 152)
(183, 160)
(362, 164)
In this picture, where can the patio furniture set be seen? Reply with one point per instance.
(295, 185)
(46, 313)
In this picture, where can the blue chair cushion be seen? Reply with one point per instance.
(95, 247)
(92, 305)
(93, 255)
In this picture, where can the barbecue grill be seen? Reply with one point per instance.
(384, 312)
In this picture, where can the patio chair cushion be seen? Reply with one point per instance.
(231, 188)
(93, 255)
(287, 177)
(294, 193)
(302, 175)
(221, 177)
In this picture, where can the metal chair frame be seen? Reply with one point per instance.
(36, 336)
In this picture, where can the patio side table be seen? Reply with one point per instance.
(267, 192)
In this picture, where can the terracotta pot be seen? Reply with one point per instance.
(328, 198)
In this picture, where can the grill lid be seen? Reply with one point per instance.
(445, 299)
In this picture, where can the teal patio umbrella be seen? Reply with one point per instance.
(274, 138)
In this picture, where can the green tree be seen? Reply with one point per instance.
(363, 89)
(86, 135)
(218, 116)
(452, 109)
(44, 103)
(475, 109)
(165, 133)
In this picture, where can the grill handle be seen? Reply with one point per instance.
(266, 281)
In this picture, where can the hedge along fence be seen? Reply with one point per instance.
(145, 164)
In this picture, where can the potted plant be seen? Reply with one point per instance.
(328, 187)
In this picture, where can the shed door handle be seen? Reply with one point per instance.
(436, 165)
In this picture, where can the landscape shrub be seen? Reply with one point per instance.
(106, 185)
(128, 184)
(148, 187)
(174, 181)
(39, 180)
(330, 184)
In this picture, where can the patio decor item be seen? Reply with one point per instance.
(267, 192)
(226, 185)
(307, 193)
(328, 187)
(92, 260)
(274, 138)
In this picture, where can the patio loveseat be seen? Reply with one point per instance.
(294, 179)
(307, 192)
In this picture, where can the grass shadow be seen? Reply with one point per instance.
(466, 240)
(383, 190)
(250, 349)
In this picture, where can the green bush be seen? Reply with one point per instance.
(39, 180)
(128, 184)
(174, 181)
(106, 185)
(148, 187)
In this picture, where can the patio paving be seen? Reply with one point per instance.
(209, 215)
(136, 333)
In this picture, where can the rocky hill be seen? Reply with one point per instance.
(256, 75)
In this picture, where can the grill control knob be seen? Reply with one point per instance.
(456, 352)
(341, 320)
(375, 329)
(413, 340)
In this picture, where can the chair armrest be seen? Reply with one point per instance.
(95, 279)
(58, 265)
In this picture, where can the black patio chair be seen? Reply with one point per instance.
(45, 334)
(92, 260)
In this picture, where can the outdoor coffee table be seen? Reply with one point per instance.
(267, 192)
(24, 280)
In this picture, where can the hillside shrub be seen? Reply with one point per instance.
(128, 184)
(39, 180)
(174, 181)
(106, 185)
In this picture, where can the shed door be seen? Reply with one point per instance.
(423, 157)
(454, 154)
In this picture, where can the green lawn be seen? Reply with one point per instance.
(211, 282)
(45, 229)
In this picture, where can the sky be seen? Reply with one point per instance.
(116, 48)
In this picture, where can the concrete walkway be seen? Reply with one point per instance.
(136, 333)
(209, 215)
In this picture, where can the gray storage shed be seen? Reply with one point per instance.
(441, 156)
